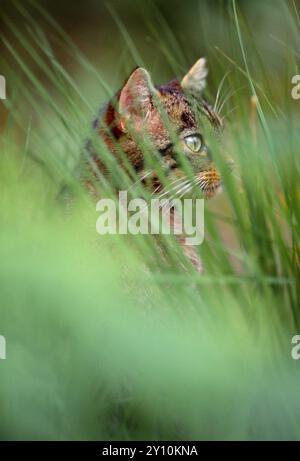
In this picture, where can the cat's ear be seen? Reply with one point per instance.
(195, 80)
(135, 101)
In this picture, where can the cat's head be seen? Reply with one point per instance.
(143, 108)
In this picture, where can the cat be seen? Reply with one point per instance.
(139, 108)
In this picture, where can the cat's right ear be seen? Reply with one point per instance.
(195, 80)
(135, 101)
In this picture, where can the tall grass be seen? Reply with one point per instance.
(111, 337)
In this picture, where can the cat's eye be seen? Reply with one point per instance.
(193, 142)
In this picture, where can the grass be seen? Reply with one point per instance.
(105, 337)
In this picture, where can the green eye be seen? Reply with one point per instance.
(194, 143)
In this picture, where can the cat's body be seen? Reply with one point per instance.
(140, 110)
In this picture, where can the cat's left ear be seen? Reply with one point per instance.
(135, 101)
(195, 80)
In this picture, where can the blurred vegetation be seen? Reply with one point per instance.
(108, 337)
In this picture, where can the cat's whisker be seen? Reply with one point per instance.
(168, 187)
(229, 112)
(198, 181)
(178, 179)
(169, 192)
(184, 178)
(166, 207)
(219, 91)
(156, 189)
(204, 183)
(148, 173)
(228, 96)
(183, 190)
(186, 188)
(202, 179)
(173, 189)
(186, 191)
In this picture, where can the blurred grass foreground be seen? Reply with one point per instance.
(105, 337)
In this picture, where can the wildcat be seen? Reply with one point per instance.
(140, 108)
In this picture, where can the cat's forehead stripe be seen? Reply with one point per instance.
(179, 109)
(187, 119)
(177, 106)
